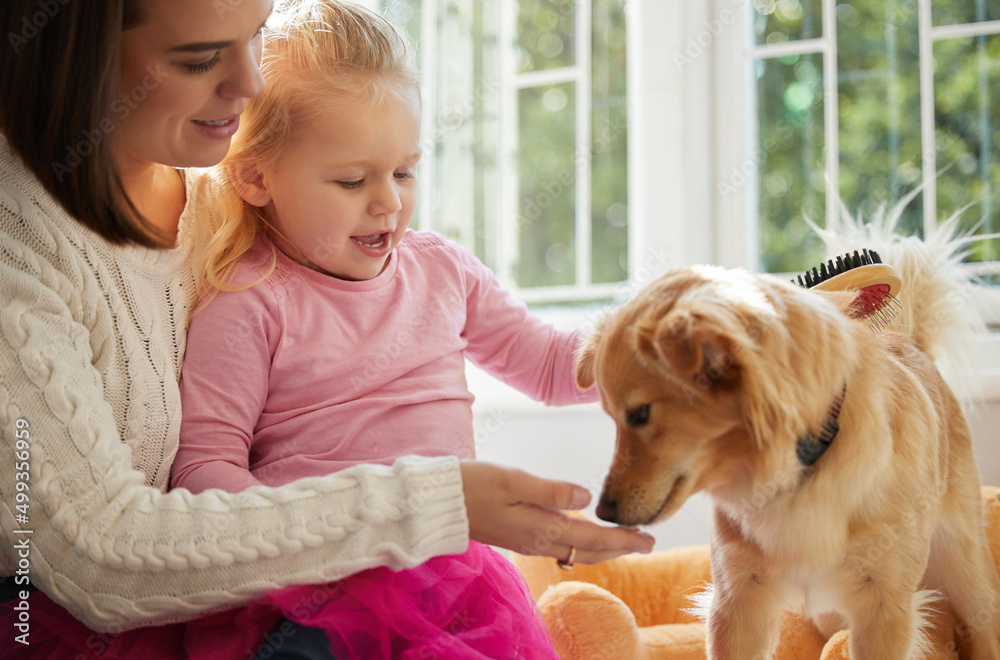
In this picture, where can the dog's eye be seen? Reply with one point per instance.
(638, 416)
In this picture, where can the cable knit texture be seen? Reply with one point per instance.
(91, 342)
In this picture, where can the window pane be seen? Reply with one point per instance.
(609, 187)
(786, 20)
(546, 186)
(790, 112)
(461, 133)
(967, 108)
(879, 116)
(462, 172)
(464, 130)
(545, 34)
(952, 12)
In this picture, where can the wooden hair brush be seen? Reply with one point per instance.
(877, 285)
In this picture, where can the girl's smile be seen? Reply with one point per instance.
(374, 245)
(339, 198)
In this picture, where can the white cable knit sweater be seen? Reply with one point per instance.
(91, 341)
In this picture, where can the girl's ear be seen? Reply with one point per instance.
(249, 183)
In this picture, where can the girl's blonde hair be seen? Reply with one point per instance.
(321, 51)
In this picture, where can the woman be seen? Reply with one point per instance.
(101, 102)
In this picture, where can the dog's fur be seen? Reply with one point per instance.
(711, 376)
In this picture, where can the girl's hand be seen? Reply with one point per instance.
(512, 509)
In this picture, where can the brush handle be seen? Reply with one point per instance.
(877, 286)
(863, 277)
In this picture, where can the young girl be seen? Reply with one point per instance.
(323, 311)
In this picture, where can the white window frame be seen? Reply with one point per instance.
(735, 238)
(688, 129)
(506, 88)
(511, 83)
(688, 132)
(672, 159)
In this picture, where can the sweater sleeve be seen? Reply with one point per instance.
(119, 554)
(512, 344)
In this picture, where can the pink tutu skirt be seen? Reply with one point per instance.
(471, 606)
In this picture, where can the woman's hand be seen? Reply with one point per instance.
(515, 510)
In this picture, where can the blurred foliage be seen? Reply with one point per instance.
(609, 136)
(790, 92)
(964, 11)
(548, 159)
(546, 34)
(546, 168)
(783, 20)
(967, 82)
(880, 151)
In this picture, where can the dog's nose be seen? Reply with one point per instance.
(607, 509)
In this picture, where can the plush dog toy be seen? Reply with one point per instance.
(638, 606)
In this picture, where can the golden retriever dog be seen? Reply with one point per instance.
(838, 461)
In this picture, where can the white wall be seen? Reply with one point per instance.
(576, 443)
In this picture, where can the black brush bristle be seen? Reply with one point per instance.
(831, 269)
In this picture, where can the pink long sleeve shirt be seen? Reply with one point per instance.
(304, 374)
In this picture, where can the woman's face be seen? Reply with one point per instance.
(187, 70)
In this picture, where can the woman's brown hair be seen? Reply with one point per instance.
(58, 81)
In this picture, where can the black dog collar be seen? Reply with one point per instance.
(810, 447)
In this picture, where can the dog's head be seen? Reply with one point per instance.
(710, 376)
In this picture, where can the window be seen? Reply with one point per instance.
(915, 91)
(525, 140)
(698, 132)
(873, 99)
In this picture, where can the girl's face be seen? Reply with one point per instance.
(343, 193)
(187, 71)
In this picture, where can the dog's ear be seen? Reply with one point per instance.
(690, 345)
(670, 339)
(583, 362)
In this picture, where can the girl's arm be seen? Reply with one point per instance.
(119, 554)
(510, 343)
(224, 384)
